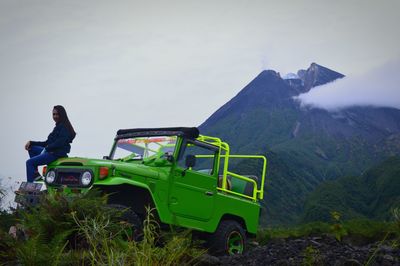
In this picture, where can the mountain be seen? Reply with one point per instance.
(304, 146)
(317, 75)
(371, 195)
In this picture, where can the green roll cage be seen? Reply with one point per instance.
(258, 189)
(224, 154)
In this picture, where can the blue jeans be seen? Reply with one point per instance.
(37, 158)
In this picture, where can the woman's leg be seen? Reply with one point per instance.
(34, 151)
(34, 162)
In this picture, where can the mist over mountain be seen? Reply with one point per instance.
(378, 87)
(305, 146)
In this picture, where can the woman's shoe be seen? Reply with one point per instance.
(37, 177)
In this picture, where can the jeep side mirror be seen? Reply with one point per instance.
(190, 161)
(169, 157)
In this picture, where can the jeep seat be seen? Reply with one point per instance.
(248, 190)
(228, 182)
(242, 186)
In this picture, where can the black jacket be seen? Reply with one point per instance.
(58, 142)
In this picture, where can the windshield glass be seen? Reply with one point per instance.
(143, 147)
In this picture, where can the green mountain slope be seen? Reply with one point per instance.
(304, 146)
(371, 195)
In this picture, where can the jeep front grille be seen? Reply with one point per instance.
(68, 178)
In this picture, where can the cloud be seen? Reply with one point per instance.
(378, 87)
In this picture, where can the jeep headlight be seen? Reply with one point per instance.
(86, 178)
(50, 177)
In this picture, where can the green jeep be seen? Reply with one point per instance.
(184, 176)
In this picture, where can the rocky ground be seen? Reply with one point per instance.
(325, 250)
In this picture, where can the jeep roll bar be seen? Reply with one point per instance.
(258, 189)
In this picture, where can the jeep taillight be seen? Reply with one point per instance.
(44, 170)
(103, 172)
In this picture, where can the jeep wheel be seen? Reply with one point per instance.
(134, 229)
(229, 239)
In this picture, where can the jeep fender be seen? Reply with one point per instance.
(133, 194)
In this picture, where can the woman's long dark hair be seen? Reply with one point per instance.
(64, 119)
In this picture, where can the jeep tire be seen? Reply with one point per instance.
(135, 227)
(229, 239)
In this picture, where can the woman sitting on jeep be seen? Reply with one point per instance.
(57, 144)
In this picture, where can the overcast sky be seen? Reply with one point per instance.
(124, 64)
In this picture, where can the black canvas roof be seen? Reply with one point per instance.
(188, 132)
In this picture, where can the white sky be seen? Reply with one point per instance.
(125, 64)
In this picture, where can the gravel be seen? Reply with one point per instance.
(325, 250)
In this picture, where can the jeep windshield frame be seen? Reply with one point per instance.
(139, 148)
(129, 136)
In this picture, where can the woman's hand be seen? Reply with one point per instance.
(28, 146)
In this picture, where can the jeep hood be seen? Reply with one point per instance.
(128, 169)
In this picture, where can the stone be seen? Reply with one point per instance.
(385, 249)
(254, 244)
(316, 243)
(352, 262)
(13, 231)
(388, 257)
(207, 259)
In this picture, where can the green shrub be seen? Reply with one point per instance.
(82, 230)
(368, 230)
(177, 248)
(311, 256)
(309, 229)
(359, 231)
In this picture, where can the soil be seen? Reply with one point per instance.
(324, 250)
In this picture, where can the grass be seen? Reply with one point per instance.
(395, 241)
(311, 256)
(82, 231)
(359, 231)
